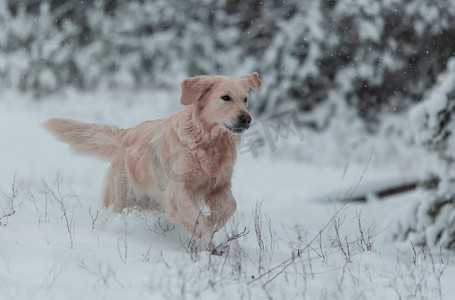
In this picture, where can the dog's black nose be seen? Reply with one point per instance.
(244, 119)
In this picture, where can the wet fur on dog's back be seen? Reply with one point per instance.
(177, 163)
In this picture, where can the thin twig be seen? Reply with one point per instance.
(94, 218)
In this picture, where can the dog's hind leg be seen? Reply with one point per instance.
(117, 193)
(109, 186)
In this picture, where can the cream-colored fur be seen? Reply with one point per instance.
(178, 163)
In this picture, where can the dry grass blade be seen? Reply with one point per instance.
(11, 209)
(60, 198)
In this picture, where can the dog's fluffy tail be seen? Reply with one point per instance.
(102, 141)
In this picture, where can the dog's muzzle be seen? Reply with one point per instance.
(239, 124)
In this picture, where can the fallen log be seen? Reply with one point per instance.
(381, 190)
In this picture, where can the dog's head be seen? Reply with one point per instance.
(221, 100)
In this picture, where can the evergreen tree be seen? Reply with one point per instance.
(432, 220)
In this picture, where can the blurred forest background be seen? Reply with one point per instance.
(374, 59)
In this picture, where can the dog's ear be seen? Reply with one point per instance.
(253, 80)
(195, 88)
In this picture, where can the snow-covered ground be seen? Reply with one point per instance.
(60, 244)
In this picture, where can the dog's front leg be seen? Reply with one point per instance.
(185, 210)
(222, 206)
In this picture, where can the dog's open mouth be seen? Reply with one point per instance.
(236, 130)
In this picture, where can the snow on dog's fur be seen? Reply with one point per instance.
(177, 163)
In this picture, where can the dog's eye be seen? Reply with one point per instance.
(226, 98)
(245, 100)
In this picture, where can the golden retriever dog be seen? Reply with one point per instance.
(179, 164)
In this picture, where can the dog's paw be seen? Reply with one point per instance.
(210, 247)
